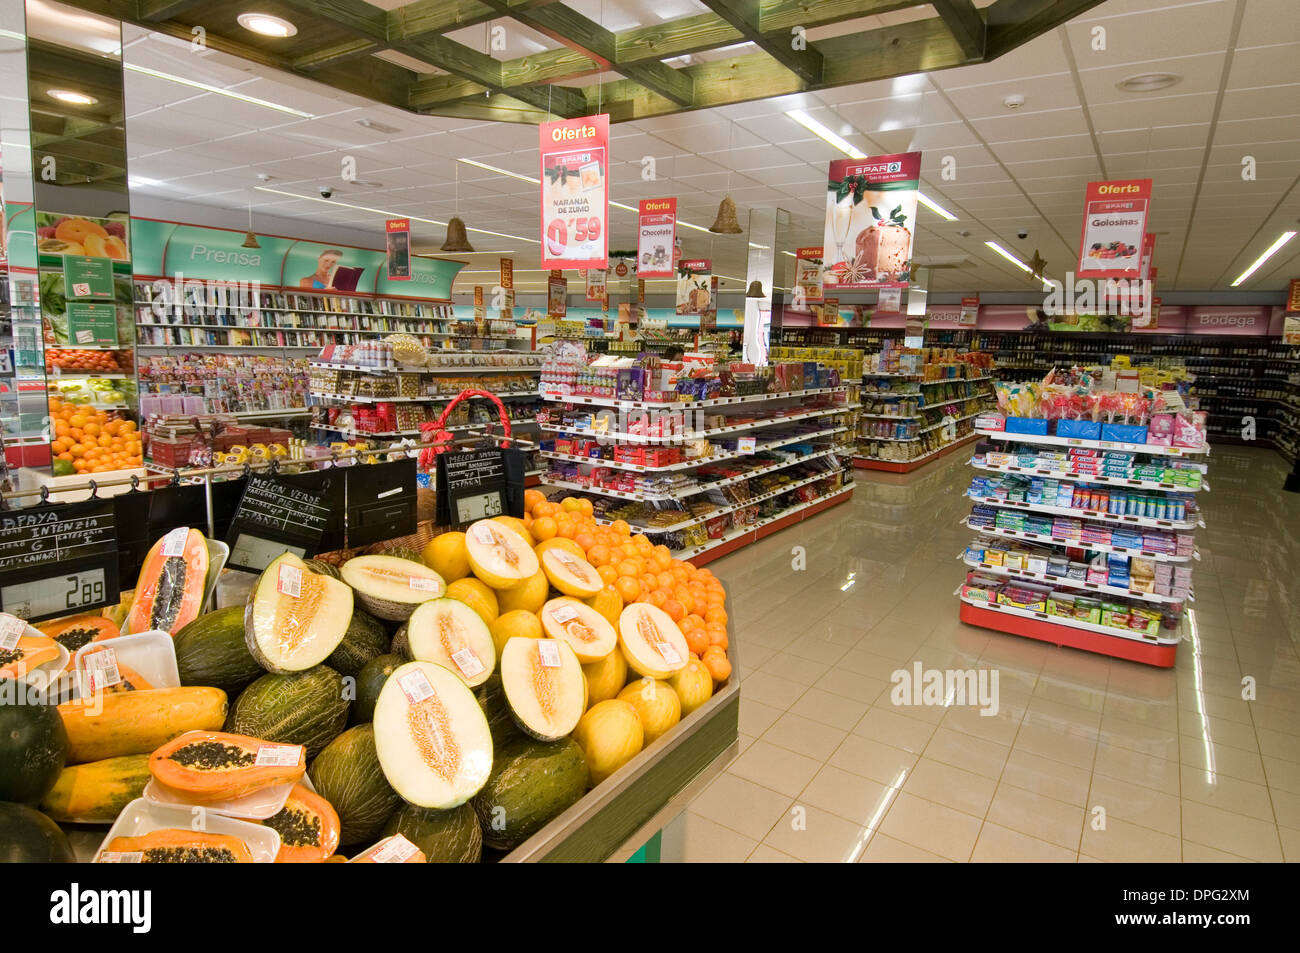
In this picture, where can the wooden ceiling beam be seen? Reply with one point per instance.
(965, 23)
(1013, 22)
(792, 50)
(154, 11)
(334, 54)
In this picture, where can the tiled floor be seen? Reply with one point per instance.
(1087, 759)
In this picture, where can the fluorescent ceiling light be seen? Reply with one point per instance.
(939, 210)
(1269, 253)
(208, 88)
(500, 171)
(388, 214)
(821, 132)
(267, 25)
(72, 96)
(790, 253)
(142, 181)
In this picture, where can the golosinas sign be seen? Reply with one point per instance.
(1114, 228)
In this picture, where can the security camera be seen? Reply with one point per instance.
(1022, 234)
(326, 192)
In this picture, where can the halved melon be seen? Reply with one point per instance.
(588, 632)
(571, 575)
(653, 644)
(544, 686)
(172, 584)
(454, 636)
(30, 652)
(498, 555)
(390, 587)
(207, 766)
(431, 736)
(295, 618)
(179, 846)
(308, 827)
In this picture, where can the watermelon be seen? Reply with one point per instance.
(29, 837)
(532, 782)
(33, 749)
(308, 708)
(445, 837)
(211, 651)
(369, 682)
(366, 639)
(347, 775)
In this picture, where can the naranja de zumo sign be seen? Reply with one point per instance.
(574, 157)
(168, 249)
(1114, 228)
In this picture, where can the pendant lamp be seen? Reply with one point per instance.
(726, 223)
(755, 290)
(457, 240)
(250, 238)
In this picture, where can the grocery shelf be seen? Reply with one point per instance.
(957, 380)
(698, 434)
(454, 428)
(742, 536)
(689, 464)
(1062, 582)
(906, 466)
(1095, 515)
(1160, 651)
(1093, 444)
(438, 369)
(229, 347)
(892, 416)
(426, 399)
(1093, 478)
(1079, 544)
(684, 404)
(276, 309)
(954, 421)
(82, 375)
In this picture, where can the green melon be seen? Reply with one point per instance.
(366, 639)
(500, 721)
(405, 552)
(531, 783)
(29, 837)
(324, 568)
(445, 837)
(212, 651)
(307, 708)
(348, 775)
(33, 749)
(370, 680)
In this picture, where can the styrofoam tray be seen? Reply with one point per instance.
(47, 674)
(152, 654)
(141, 817)
(257, 806)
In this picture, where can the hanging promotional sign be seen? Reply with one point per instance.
(1293, 296)
(398, 234)
(709, 318)
(480, 312)
(597, 284)
(830, 313)
(970, 309)
(656, 237)
(693, 285)
(1148, 253)
(507, 273)
(808, 274)
(557, 290)
(1114, 228)
(870, 216)
(890, 300)
(574, 157)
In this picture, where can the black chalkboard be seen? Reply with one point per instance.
(58, 559)
(381, 501)
(274, 515)
(479, 484)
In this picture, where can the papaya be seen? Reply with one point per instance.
(30, 652)
(172, 584)
(113, 725)
(308, 827)
(208, 766)
(173, 846)
(72, 632)
(95, 793)
(132, 681)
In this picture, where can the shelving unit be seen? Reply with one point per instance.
(931, 406)
(703, 510)
(1073, 568)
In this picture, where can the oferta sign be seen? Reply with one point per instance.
(1114, 229)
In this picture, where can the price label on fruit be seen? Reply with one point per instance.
(415, 686)
(100, 671)
(467, 662)
(289, 582)
(276, 756)
(549, 652)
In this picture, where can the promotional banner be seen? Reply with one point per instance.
(480, 312)
(709, 318)
(1148, 253)
(597, 284)
(656, 237)
(870, 216)
(1114, 228)
(1291, 329)
(574, 157)
(808, 273)
(1293, 296)
(970, 309)
(830, 313)
(398, 233)
(557, 290)
(890, 300)
(693, 285)
(507, 271)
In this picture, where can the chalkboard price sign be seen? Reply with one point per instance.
(60, 559)
(479, 484)
(274, 516)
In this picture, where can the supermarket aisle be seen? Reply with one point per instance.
(1087, 759)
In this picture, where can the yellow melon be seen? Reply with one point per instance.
(605, 678)
(518, 622)
(477, 595)
(608, 603)
(530, 595)
(560, 542)
(693, 685)
(656, 704)
(518, 526)
(447, 556)
(610, 736)
(570, 574)
(498, 555)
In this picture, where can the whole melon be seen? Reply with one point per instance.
(445, 837)
(33, 749)
(29, 837)
(348, 775)
(307, 708)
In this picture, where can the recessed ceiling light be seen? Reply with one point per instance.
(1014, 101)
(1148, 82)
(267, 25)
(72, 96)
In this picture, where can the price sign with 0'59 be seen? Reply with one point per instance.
(561, 233)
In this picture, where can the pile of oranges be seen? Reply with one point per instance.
(92, 440)
(639, 571)
(75, 359)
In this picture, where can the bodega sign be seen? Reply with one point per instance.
(1114, 229)
(574, 157)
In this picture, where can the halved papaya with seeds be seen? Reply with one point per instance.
(176, 846)
(172, 584)
(206, 766)
(132, 681)
(73, 632)
(308, 827)
(30, 652)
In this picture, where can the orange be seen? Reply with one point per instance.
(683, 595)
(608, 573)
(544, 528)
(716, 614)
(642, 543)
(598, 555)
(586, 541)
(568, 530)
(587, 506)
(649, 581)
(532, 498)
(77, 450)
(693, 620)
(620, 527)
(105, 440)
(715, 660)
(673, 608)
(658, 598)
(571, 504)
(627, 567)
(715, 598)
(665, 580)
(629, 588)
(92, 428)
